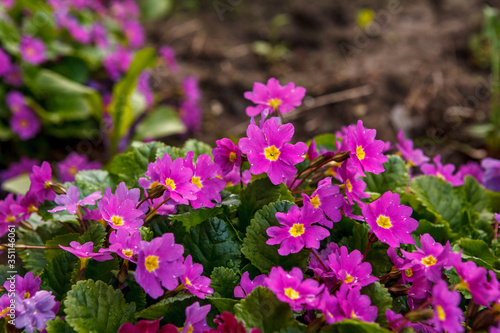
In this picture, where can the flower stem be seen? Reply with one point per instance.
(318, 258)
(152, 213)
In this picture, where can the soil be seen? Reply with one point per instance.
(412, 69)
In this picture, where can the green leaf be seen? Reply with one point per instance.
(213, 243)
(131, 165)
(353, 326)
(121, 107)
(95, 234)
(174, 152)
(59, 326)
(90, 181)
(134, 293)
(167, 307)
(96, 307)
(475, 194)
(262, 255)
(197, 147)
(18, 185)
(195, 217)
(440, 232)
(56, 276)
(155, 9)
(395, 178)
(261, 309)
(326, 141)
(63, 240)
(102, 271)
(161, 122)
(223, 304)
(223, 281)
(258, 194)
(477, 251)
(380, 297)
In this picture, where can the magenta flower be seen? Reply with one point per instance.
(414, 157)
(124, 244)
(197, 284)
(354, 188)
(447, 315)
(227, 155)
(475, 280)
(328, 200)
(144, 87)
(268, 151)
(14, 76)
(119, 209)
(86, 251)
(134, 33)
(142, 326)
(191, 114)
(159, 263)
(227, 323)
(15, 101)
(205, 178)
(100, 35)
(297, 230)
(396, 322)
(72, 164)
(78, 32)
(312, 153)
(117, 63)
(7, 3)
(350, 268)
(168, 55)
(196, 318)
(25, 123)
(491, 176)
(26, 286)
(432, 257)
(354, 305)
(472, 169)
(71, 200)
(390, 221)
(34, 312)
(274, 97)
(318, 268)
(33, 50)
(290, 288)
(246, 285)
(8, 213)
(234, 177)
(329, 305)
(41, 181)
(190, 89)
(366, 152)
(24, 166)
(442, 171)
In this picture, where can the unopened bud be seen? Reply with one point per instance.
(419, 315)
(58, 188)
(341, 156)
(156, 191)
(398, 290)
(485, 319)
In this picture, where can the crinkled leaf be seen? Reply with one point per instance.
(477, 251)
(395, 178)
(136, 294)
(90, 181)
(353, 326)
(213, 243)
(59, 326)
(56, 276)
(197, 147)
(380, 297)
(97, 270)
(96, 307)
(223, 281)
(261, 309)
(475, 194)
(223, 304)
(95, 234)
(196, 216)
(167, 307)
(262, 255)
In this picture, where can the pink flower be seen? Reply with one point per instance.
(349, 268)
(351, 304)
(71, 200)
(117, 63)
(86, 251)
(366, 152)
(268, 151)
(33, 50)
(5, 63)
(197, 284)
(442, 171)
(414, 157)
(41, 181)
(274, 97)
(124, 244)
(354, 188)
(390, 221)
(246, 285)
(134, 33)
(168, 55)
(328, 200)
(447, 314)
(72, 164)
(25, 123)
(227, 155)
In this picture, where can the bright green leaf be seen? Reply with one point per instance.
(89, 181)
(161, 122)
(395, 178)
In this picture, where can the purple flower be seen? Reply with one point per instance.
(396, 321)
(472, 169)
(72, 164)
(312, 153)
(366, 152)
(24, 166)
(196, 318)
(197, 284)
(296, 230)
(274, 97)
(354, 305)
(447, 314)
(432, 257)
(78, 32)
(25, 123)
(33, 50)
(350, 269)
(168, 55)
(268, 151)
(34, 312)
(15, 101)
(227, 323)
(119, 209)
(475, 280)
(491, 176)
(354, 188)
(234, 177)
(100, 35)
(442, 171)
(86, 251)
(204, 177)
(246, 285)
(117, 63)
(227, 155)
(290, 288)
(14, 76)
(134, 33)
(329, 305)
(190, 89)
(41, 181)
(159, 264)
(328, 200)
(124, 244)
(191, 113)
(26, 286)
(390, 221)
(414, 157)
(71, 200)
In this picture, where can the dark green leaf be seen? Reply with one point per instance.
(223, 304)
(102, 271)
(95, 234)
(56, 276)
(380, 297)
(59, 326)
(170, 307)
(223, 281)
(477, 251)
(196, 217)
(353, 326)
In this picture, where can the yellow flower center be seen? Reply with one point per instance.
(439, 175)
(27, 295)
(72, 170)
(291, 293)
(23, 123)
(272, 153)
(360, 153)
(275, 103)
(348, 279)
(117, 220)
(353, 315)
(462, 285)
(32, 209)
(429, 261)
(83, 262)
(30, 51)
(348, 185)
(189, 330)
(10, 218)
(187, 282)
(330, 172)
(4, 311)
(232, 156)
(153, 185)
(409, 272)
(170, 182)
(151, 263)
(196, 181)
(315, 201)
(128, 253)
(47, 184)
(297, 229)
(441, 314)
(384, 221)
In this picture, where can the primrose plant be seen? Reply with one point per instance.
(343, 234)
